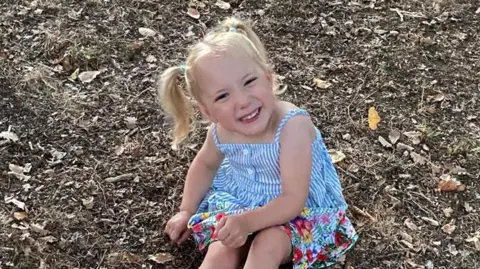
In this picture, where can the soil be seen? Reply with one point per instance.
(98, 179)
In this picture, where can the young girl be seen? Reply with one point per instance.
(262, 188)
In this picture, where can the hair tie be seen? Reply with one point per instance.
(232, 29)
(182, 68)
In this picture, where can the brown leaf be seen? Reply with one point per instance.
(88, 76)
(146, 32)
(417, 158)
(192, 12)
(450, 184)
(322, 84)
(160, 258)
(21, 215)
(410, 225)
(393, 136)
(223, 5)
(449, 228)
(384, 142)
(336, 156)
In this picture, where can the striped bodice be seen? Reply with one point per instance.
(251, 174)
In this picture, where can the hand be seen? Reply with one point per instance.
(232, 231)
(176, 227)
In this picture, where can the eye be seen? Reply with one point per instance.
(250, 81)
(221, 97)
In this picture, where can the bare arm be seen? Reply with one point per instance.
(295, 169)
(200, 174)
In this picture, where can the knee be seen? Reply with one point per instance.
(272, 242)
(219, 256)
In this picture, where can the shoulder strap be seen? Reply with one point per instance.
(283, 121)
(214, 134)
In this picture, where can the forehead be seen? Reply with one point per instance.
(216, 71)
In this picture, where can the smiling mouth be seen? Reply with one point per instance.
(251, 117)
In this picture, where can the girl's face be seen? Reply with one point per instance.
(235, 93)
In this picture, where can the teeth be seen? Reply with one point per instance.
(251, 115)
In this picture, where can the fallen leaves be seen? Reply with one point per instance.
(450, 184)
(9, 136)
(88, 203)
(384, 142)
(417, 158)
(146, 32)
(373, 118)
(88, 76)
(14, 201)
(192, 12)
(394, 136)
(160, 258)
(475, 240)
(19, 171)
(222, 4)
(449, 228)
(336, 156)
(20, 215)
(414, 136)
(410, 225)
(430, 221)
(322, 84)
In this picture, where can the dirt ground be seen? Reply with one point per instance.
(87, 175)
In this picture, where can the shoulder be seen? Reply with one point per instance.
(297, 127)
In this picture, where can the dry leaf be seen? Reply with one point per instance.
(17, 203)
(131, 122)
(406, 237)
(151, 59)
(146, 32)
(448, 212)
(9, 136)
(336, 156)
(414, 136)
(48, 239)
(410, 225)
(401, 146)
(21, 215)
(88, 76)
(38, 229)
(393, 136)
(437, 97)
(223, 5)
(322, 84)
(74, 75)
(160, 258)
(373, 118)
(450, 184)
(193, 13)
(410, 245)
(431, 221)
(474, 240)
(449, 228)
(384, 142)
(119, 150)
(88, 203)
(417, 158)
(468, 208)
(478, 11)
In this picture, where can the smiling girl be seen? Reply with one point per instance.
(262, 188)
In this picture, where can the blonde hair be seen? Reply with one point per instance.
(230, 34)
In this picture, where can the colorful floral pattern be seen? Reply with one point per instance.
(319, 236)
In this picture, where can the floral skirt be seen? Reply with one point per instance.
(319, 236)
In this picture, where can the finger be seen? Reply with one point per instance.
(184, 236)
(222, 234)
(221, 223)
(174, 235)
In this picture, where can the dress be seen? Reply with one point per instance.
(249, 177)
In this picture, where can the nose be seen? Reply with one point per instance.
(243, 100)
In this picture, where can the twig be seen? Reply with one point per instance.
(119, 178)
(398, 12)
(362, 213)
(347, 173)
(101, 260)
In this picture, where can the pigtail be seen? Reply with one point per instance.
(175, 103)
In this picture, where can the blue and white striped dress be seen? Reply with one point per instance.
(249, 177)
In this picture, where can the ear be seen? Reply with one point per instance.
(205, 112)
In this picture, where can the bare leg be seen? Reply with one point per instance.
(270, 248)
(220, 256)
